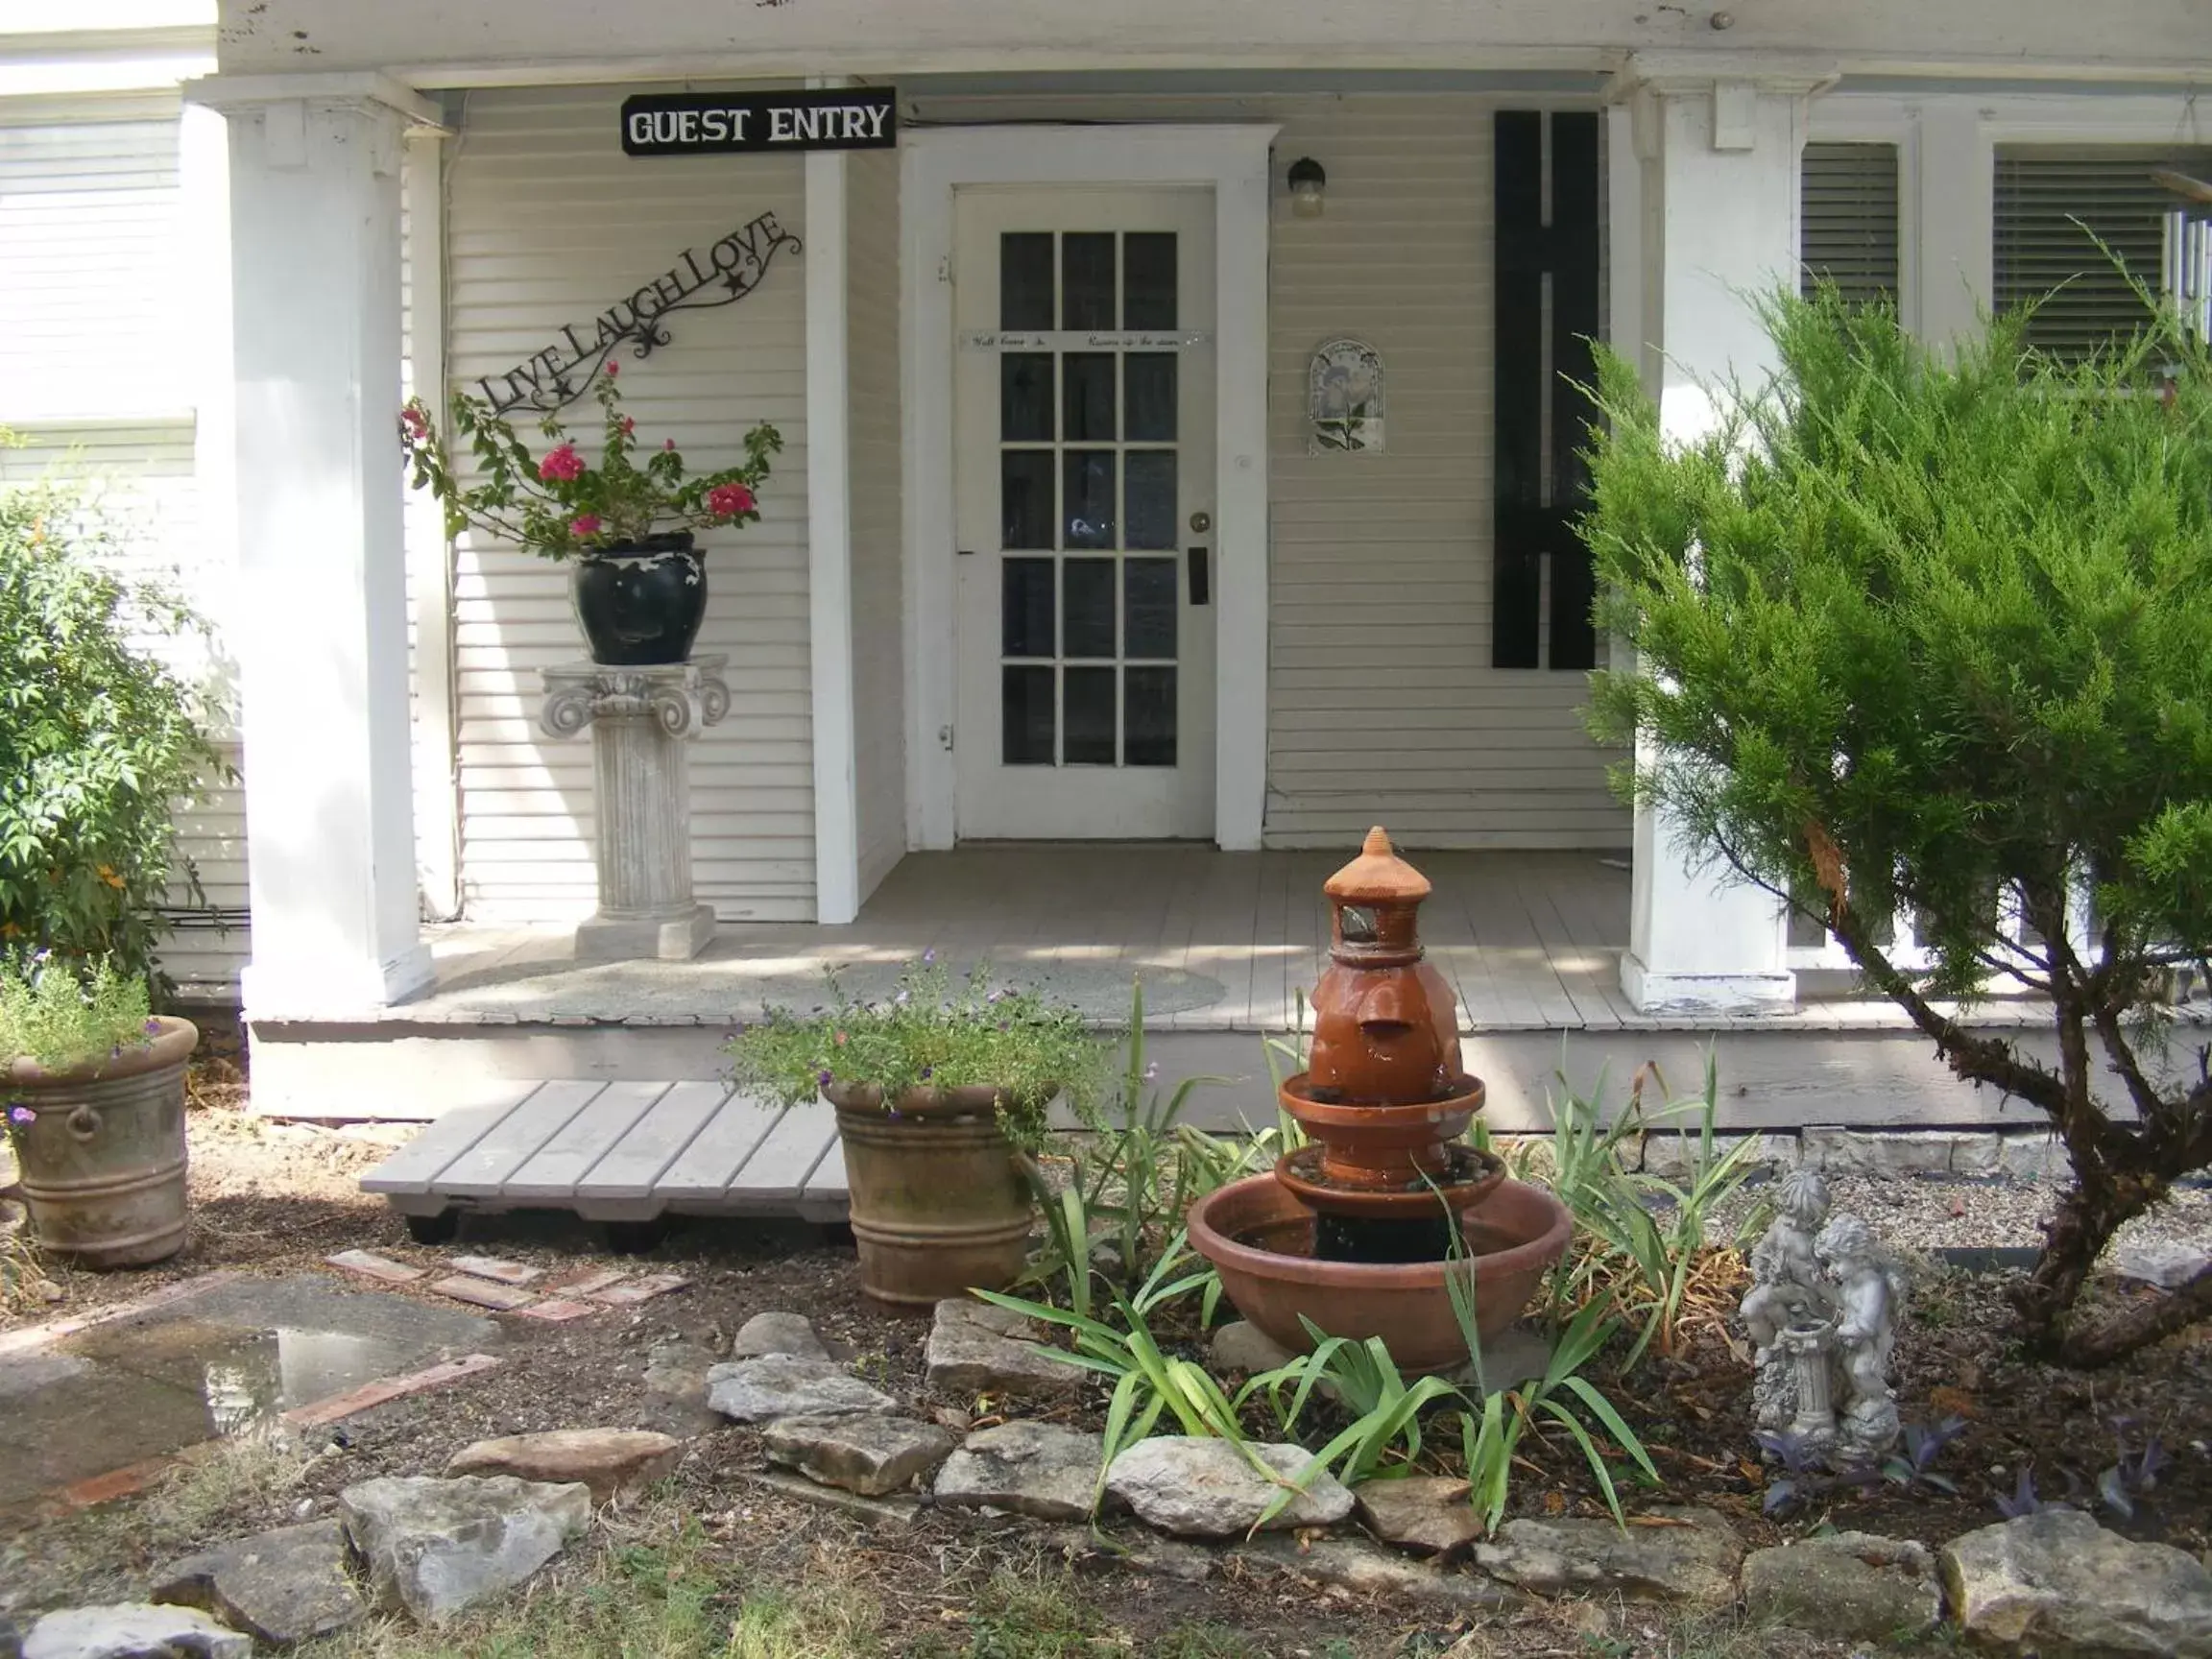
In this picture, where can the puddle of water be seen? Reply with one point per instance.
(218, 1363)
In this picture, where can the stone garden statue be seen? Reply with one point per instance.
(1821, 1314)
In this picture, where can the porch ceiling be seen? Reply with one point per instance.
(1223, 941)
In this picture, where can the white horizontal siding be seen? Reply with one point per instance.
(1383, 705)
(548, 223)
(879, 650)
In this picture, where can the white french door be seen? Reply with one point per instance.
(1083, 453)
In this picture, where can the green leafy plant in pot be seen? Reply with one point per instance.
(93, 1085)
(625, 525)
(939, 1089)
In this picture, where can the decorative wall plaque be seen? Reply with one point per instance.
(1344, 395)
(760, 123)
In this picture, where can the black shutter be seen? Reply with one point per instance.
(1535, 368)
(1848, 229)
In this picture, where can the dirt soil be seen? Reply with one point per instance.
(271, 1199)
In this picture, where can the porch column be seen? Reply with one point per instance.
(1718, 140)
(315, 170)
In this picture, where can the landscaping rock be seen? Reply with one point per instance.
(767, 1334)
(869, 1455)
(1242, 1347)
(1425, 1512)
(2059, 1585)
(1037, 1469)
(2029, 1155)
(1364, 1569)
(1850, 1585)
(435, 1547)
(1875, 1152)
(1672, 1155)
(1196, 1487)
(613, 1462)
(976, 1348)
(1690, 1555)
(2167, 1264)
(1518, 1353)
(286, 1586)
(676, 1390)
(782, 1386)
(134, 1631)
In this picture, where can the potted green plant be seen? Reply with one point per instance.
(625, 526)
(939, 1089)
(94, 1090)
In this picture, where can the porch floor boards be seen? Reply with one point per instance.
(1223, 941)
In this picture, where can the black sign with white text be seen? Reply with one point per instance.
(758, 123)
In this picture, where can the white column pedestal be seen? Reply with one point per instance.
(1718, 140)
(641, 721)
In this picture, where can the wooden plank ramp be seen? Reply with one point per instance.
(622, 1153)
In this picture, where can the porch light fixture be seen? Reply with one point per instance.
(1308, 180)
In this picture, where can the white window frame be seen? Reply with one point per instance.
(1233, 160)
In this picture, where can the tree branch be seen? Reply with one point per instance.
(2140, 1326)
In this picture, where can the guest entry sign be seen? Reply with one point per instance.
(760, 123)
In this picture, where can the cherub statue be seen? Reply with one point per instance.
(1869, 1298)
(1789, 1290)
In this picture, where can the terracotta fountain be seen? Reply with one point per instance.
(1354, 1230)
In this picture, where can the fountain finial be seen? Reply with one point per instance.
(1378, 875)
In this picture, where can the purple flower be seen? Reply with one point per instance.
(999, 996)
(822, 1076)
(929, 956)
(153, 1028)
(21, 1115)
(117, 1053)
(926, 1073)
(899, 1001)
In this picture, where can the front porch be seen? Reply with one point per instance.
(1225, 943)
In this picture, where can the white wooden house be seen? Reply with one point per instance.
(1054, 553)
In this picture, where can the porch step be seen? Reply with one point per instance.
(623, 1152)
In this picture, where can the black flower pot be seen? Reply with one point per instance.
(642, 603)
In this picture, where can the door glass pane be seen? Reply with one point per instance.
(1088, 377)
(1026, 398)
(1088, 476)
(1025, 279)
(1086, 279)
(1025, 498)
(1148, 287)
(1149, 620)
(1149, 398)
(1025, 714)
(1151, 517)
(1026, 608)
(1087, 740)
(1148, 717)
(1087, 614)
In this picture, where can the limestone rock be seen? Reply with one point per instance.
(1690, 1556)
(1425, 1512)
(676, 1389)
(435, 1547)
(977, 1348)
(1367, 1569)
(1850, 1585)
(2059, 1585)
(2166, 1264)
(1241, 1346)
(782, 1386)
(859, 1451)
(767, 1334)
(286, 1586)
(1037, 1469)
(613, 1462)
(1203, 1488)
(134, 1631)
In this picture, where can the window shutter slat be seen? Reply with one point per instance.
(1847, 232)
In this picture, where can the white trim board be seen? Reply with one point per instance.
(1234, 162)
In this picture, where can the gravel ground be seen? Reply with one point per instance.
(1917, 1213)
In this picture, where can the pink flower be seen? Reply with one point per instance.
(629, 425)
(585, 524)
(610, 368)
(414, 420)
(728, 500)
(669, 444)
(562, 465)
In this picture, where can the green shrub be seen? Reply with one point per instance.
(54, 1015)
(98, 740)
(1931, 633)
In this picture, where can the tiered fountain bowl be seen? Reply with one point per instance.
(1355, 1231)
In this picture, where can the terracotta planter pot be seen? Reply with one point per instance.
(103, 1168)
(1260, 1239)
(939, 1205)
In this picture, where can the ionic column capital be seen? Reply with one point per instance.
(681, 698)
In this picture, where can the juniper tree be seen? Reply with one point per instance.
(1933, 634)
